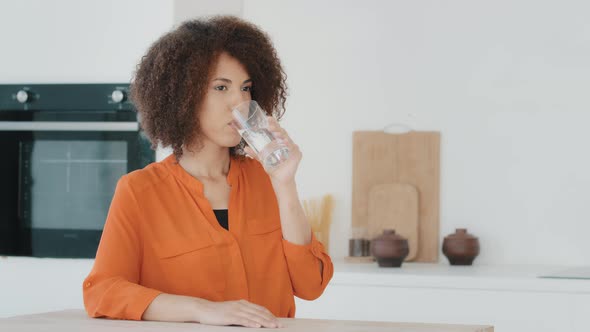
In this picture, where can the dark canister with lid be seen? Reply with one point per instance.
(389, 249)
(461, 248)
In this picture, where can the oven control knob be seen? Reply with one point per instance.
(118, 96)
(23, 96)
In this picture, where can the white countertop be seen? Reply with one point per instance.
(524, 278)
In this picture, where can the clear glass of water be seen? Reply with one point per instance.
(251, 122)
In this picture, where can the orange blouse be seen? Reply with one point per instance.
(161, 235)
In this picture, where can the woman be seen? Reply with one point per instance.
(207, 235)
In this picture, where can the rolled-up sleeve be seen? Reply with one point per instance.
(111, 289)
(303, 262)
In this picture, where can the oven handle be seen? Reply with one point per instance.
(67, 126)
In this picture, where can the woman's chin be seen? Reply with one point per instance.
(235, 140)
(234, 143)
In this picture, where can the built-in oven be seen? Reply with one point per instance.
(63, 148)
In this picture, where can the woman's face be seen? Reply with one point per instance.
(230, 85)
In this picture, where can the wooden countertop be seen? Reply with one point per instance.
(77, 320)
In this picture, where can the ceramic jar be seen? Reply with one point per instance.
(389, 249)
(461, 248)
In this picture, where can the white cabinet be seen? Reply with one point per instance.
(512, 298)
(31, 285)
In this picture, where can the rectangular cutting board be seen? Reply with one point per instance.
(412, 158)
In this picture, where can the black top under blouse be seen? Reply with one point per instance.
(221, 216)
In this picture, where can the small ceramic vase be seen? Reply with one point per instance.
(389, 249)
(461, 248)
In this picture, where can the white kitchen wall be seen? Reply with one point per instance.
(77, 40)
(188, 9)
(505, 82)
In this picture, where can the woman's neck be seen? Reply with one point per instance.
(210, 162)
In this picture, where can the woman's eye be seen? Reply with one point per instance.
(221, 88)
(247, 88)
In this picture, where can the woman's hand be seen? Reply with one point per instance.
(294, 224)
(285, 172)
(240, 312)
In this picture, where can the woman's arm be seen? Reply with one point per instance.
(296, 228)
(310, 266)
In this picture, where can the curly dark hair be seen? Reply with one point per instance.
(171, 79)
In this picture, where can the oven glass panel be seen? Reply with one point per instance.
(69, 184)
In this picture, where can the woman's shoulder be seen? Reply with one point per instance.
(250, 164)
(253, 168)
(146, 177)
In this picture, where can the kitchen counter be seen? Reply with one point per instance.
(77, 320)
(510, 297)
(519, 278)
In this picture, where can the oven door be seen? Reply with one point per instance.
(58, 179)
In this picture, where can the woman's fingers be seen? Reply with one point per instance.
(258, 314)
(256, 309)
(253, 316)
(247, 322)
(277, 130)
(250, 152)
(239, 312)
(282, 136)
(267, 313)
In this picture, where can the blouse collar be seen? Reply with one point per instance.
(193, 183)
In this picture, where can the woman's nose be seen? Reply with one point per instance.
(238, 99)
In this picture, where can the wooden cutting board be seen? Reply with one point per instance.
(412, 158)
(394, 206)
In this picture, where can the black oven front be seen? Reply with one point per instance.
(62, 149)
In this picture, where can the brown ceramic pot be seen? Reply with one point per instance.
(461, 248)
(389, 249)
